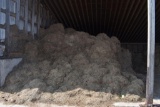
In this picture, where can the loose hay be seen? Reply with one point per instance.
(70, 67)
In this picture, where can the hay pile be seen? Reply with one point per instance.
(141, 59)
(18, 39)
(70, 67)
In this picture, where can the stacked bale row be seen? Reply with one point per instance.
(70, 67)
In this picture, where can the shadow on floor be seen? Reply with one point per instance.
(157, 86)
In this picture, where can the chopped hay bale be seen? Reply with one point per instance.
(70, 67)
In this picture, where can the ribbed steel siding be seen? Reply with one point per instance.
(126, 19)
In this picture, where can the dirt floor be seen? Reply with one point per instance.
(68, 67)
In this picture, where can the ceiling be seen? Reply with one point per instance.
(126, 19)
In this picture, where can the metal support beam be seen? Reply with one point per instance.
(26, 16)
(0, 8)
(151, 53)
(43, 24)
(33, 17)
(38, 17)
(17, 12)
(7, 29)
(47, 19)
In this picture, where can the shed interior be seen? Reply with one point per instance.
(126, 20)
(26, 21)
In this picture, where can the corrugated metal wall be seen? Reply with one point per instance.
(28, 15)
(126, 19)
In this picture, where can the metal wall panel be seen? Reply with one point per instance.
(125, 19)
(12, 20)
(26, 17)
(29, 15)
(29, 27)
(2, 18)
(21, 11)
(3, 4)
(12, 6)
(2, 35)
(35, 29)
(2, 48)
(21, 25)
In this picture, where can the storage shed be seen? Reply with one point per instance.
(129, 21)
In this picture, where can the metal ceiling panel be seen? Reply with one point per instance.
(126, 19)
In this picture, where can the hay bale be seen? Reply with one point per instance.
(70, 67)
(69, 31)
(115, 45)
(103, 37)
(100, 52)
(31, 51)
(42, 32)
(124, 57)
(136, 87)
(56, 28)
(35, 83)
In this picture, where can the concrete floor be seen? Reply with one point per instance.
(157, 86)
(156, 96)
(129, 104)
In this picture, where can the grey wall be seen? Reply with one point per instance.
(139, 56)
(27, 15)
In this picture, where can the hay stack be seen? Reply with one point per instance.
(71, 67)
